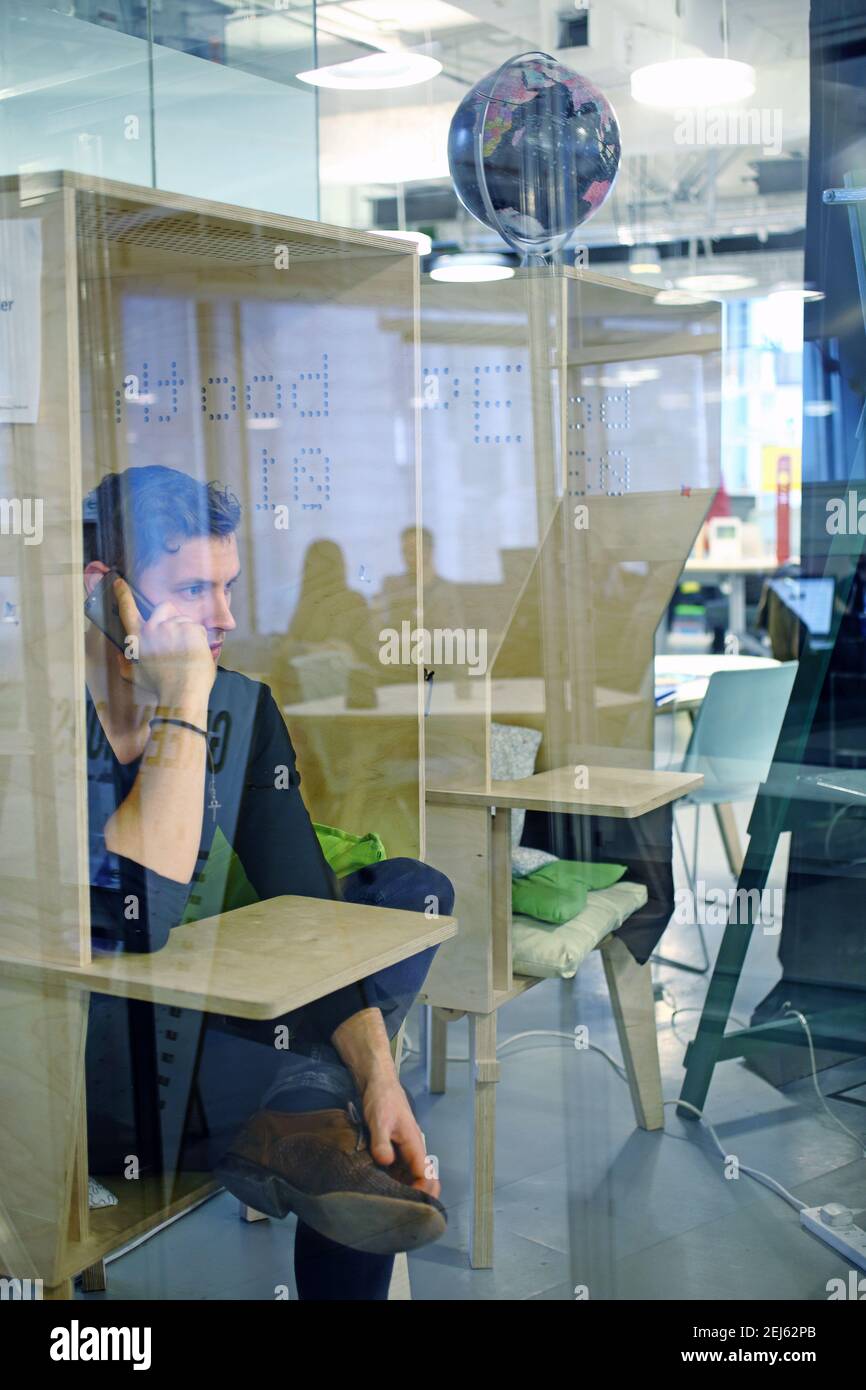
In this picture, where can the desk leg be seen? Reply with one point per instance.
(399, 1290)
(248, 1213)
(737, 605)
(437, 1050)
(730, 837)
(62, 1292)
(631, 996)
(485, 1075)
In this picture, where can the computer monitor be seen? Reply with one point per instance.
(810, 599)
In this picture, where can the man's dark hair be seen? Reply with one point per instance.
(132, 518)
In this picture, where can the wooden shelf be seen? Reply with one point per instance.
(142, 1205)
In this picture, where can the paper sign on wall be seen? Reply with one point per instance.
(20, 319)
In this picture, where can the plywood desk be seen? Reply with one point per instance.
(621, 792)
(258, 962)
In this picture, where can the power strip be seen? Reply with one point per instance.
(837, 1225)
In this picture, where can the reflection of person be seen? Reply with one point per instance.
(336, 1140)
(329, 613)
(443, 600)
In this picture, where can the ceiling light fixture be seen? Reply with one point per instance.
(472, 268)
(375, 72)
(679, 299)
(692, 82)
(644, 260)
(791, 290)
(716, 282)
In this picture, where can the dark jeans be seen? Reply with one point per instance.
(311, 1076)
(312, 1062)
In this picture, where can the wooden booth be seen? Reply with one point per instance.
(571, 451)
(272, 355)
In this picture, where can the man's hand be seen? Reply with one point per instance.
(362, 1043)
(173, 650)
(393, 1127)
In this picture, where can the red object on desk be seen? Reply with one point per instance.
(783, 508)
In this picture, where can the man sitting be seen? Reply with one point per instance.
(336, 1140)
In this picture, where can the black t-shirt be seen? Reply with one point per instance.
(260, 811)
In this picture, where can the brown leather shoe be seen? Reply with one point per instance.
(319, 1166)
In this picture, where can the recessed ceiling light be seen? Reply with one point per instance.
(375, 72)
(635, 376)
(716, 282)
(792, 290)
(421, 239)
(469, 269)
(678, 298)
(644, 260)
(692, 82)
(388, 15)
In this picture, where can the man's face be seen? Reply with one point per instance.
(198, 581)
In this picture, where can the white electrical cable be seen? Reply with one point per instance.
(752, 1172)
(553, 1033)
(620, 1071)
(755, 1173)
(795, 1013)
(532, 1033)
(696, 1010)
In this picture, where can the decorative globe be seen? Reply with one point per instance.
(533, 150)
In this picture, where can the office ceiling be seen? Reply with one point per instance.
(374, 141)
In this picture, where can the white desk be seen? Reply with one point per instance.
(681, 681)
(735, 572)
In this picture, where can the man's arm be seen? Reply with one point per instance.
(159, 823)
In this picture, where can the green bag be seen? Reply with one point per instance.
(557, 892)
(346, 852)
(223, 885)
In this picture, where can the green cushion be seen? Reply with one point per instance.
(547, 951)
(557, 892)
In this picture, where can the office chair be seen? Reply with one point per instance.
(733, 741)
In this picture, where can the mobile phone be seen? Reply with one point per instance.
(102, 609)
